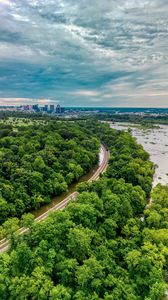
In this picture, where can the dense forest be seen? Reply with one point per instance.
(145, 120)
(39, 161)
(107, 245)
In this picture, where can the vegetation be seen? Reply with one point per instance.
(146, 121)
(40, 161)
(98, 248)
(7, 116)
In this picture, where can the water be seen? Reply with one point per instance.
(155, 142)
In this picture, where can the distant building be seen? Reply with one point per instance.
(45, 108)
(51, 107)
(62, 110)
(35, 107)
(59, 109)
(26, 107)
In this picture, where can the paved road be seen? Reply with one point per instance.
(4, 244)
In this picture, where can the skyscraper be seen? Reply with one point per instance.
(52, 107)
(45, 107)
(35, 107)
(62, 110)
(58, 109)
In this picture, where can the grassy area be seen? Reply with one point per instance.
(21, 121)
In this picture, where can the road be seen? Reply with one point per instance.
(4, 244)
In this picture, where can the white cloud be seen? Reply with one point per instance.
(84, 49)
(86, 93)
(20, 18)
(5, 2)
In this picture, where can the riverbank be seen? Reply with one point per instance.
(155, 142)
(103, 163)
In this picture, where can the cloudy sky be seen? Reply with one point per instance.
(84, 52)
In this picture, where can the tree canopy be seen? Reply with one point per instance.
(98, 247)
(39, 162)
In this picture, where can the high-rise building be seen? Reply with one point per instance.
(45, 107)
(58, 109)
(51, 107)
(35, 107)
(62, 110)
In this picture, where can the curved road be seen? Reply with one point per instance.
(4, 244)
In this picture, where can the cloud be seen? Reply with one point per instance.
(4, 2)
(86, 93)
(77, 51)
(24, 101)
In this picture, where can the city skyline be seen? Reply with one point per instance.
(78, 53)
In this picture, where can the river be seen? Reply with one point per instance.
(155, 142)
(71, 189)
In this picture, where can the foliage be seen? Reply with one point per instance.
(98, 247)
(40, 161)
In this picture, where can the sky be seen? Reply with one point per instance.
(84, 52)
